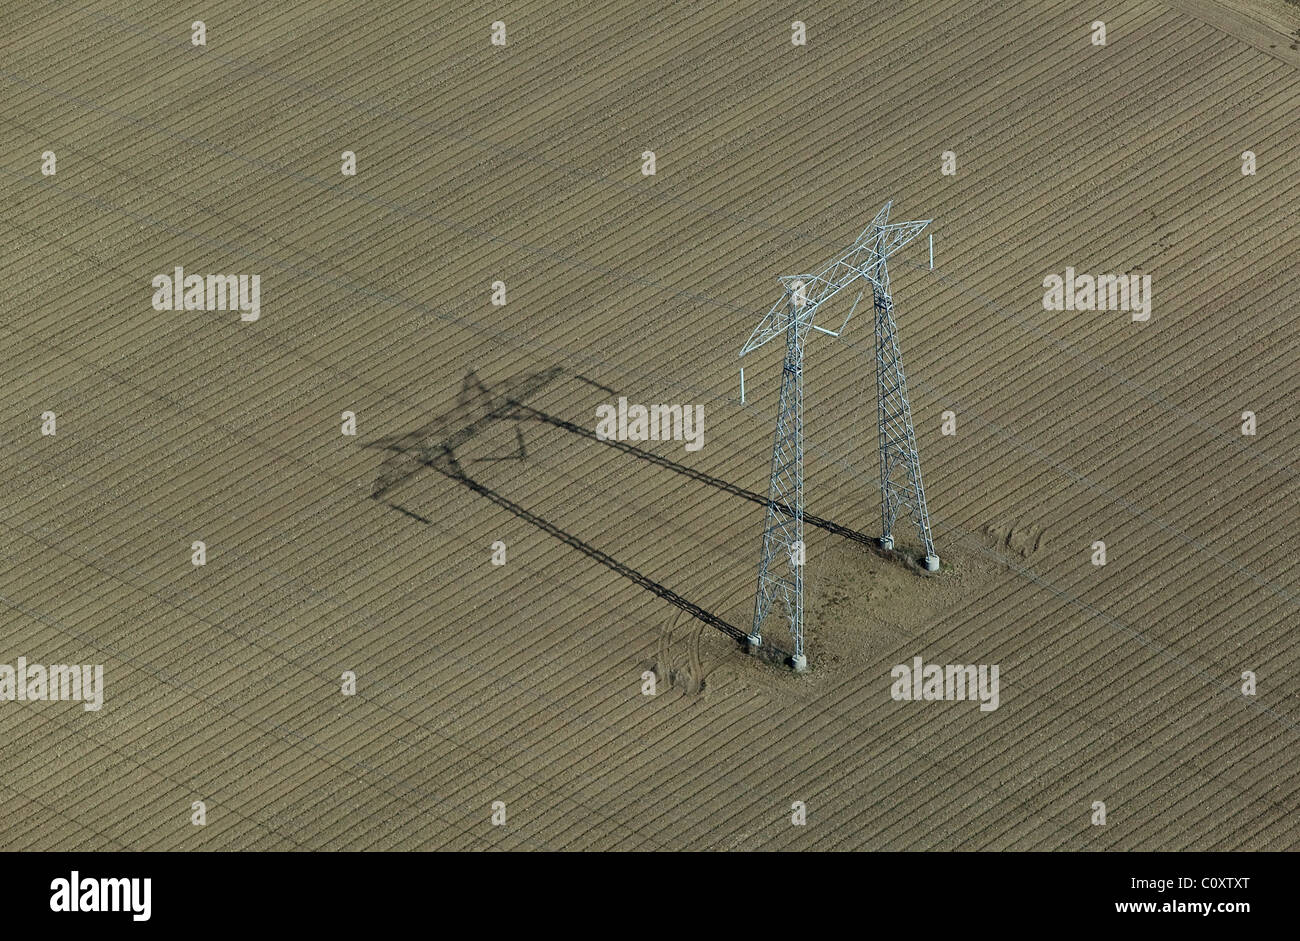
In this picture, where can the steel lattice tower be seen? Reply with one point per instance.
(780, 568)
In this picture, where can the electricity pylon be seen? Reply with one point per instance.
(780, 568)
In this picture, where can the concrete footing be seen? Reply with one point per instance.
(753, 642)
(932, 563)
(800, 663)
(886, 542)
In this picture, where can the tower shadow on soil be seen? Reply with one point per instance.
(433, 447)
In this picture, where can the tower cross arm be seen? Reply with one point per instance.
(773, 325)
(887, 239)
(865, 259)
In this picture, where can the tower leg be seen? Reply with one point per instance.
(780, 569)
(901, 488)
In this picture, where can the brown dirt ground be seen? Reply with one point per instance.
(522, 683)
